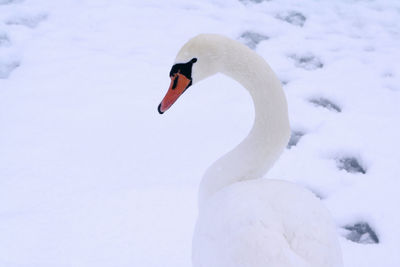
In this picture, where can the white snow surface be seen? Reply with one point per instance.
(92, 175)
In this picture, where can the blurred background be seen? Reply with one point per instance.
(92, 175)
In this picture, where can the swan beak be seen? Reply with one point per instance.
(179, 83)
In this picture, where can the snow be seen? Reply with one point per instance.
(92, 175)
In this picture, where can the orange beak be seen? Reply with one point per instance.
(179, 83)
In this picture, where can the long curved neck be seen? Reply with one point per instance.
(255, 155)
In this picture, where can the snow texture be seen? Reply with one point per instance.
(92, 175)
(6, 68)
(5, 2)
(252, 1)
(27, 20)
(4, 40)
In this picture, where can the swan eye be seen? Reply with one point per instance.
(183, 68)
(175, 82)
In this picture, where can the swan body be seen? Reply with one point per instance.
(245, 221)
(262, 223)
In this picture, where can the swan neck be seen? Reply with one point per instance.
(255, 155)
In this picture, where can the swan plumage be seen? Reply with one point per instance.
(245, 221)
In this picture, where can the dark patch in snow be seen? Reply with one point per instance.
(4, 40)
(308, 62)
(294, 138)
(28, 21)
(350, 164)
(252, 39)
(326, 103)
(6, 68)
(293, 17)
(362, 233)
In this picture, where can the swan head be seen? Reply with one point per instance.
(181, 79)
(198, 59)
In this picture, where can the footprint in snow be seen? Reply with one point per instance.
(362, 233)
(295, 138)
(27, 21)
(307, 61)
(293, 17)
(350, 164)
(252, 39)
(325, 103)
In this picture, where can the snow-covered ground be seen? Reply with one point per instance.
(92, 175)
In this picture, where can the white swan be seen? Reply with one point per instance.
(244, 221)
